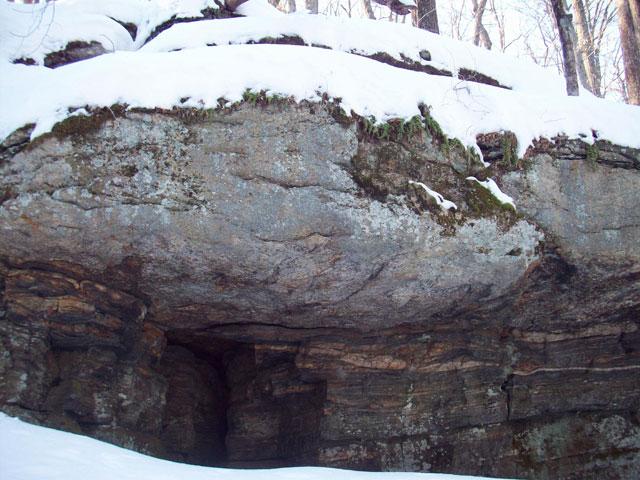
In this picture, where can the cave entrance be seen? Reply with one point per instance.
(239, 404)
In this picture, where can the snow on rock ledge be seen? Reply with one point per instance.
(439, 199)
(369, 88)
(536, 107)
(31, 32)
(493, 188)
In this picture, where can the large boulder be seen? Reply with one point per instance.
(263, 285)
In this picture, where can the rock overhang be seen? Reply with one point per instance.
(258, 211)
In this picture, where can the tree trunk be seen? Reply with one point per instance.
(368, 9)
(629, 24)
(285, 6)
(586, 49)
(563, 22)
(312, 6)
(580, 59)
(499, 18)
(480, 34)
(426, 15)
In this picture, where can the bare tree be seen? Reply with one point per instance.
(629, 25)
(368, 9)
(541, 42)
(618, 83)
(584, 49)
(286, 6)
(311, 5)
(456, 14)
(480, 34)
(348, 9)
(426, 15)
(565, 27)
(592, 18)
(499, 18)
(396, 6)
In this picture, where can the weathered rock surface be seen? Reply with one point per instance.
(262, 287)
(74, 52)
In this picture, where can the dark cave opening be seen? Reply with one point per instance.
(239, 404)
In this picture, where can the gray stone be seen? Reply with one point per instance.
(263, 287)
(593, 210)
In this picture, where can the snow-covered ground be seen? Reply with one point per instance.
(360, 36)
(33, 31)
(154, 76)
(29, 452)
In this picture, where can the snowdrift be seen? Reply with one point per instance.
(37, 453)
(210, 69)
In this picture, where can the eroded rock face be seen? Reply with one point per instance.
(263, 287)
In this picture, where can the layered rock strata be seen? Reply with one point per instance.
(262, 286)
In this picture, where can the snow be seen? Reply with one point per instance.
(153, 76)
(363, 36)
(493, 188)
(440, 200)
(258, 9)
(28, 32)
(33, 31)
(30, 452)
(145, 14)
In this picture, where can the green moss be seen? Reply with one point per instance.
(396, 129)
(368, 176)
(193, 115)
(339, 115)
(483, 204)
(263, 98)
(407, 129)
(449, 220)
(334, 108)
(454, 143)
(472, 154)
(593, 154)
(447, 145)
(384, 131)
(449, 223)
(83, 124)
(432, 126)
(420, 201)
(250, 97)
(367, 125)
(450, 145)
(509, 151)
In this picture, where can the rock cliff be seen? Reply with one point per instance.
(263, 286)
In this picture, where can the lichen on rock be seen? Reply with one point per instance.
(261, 286)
